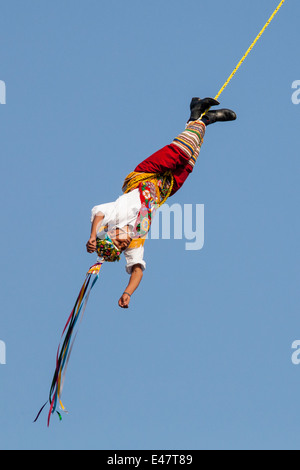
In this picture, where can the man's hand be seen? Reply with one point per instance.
(91, 245)
(124, 301)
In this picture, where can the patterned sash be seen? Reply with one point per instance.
(149, 200)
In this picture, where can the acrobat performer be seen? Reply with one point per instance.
(122, 226)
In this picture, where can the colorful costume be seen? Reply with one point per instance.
(148, 187)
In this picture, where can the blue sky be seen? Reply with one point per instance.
(202, 359)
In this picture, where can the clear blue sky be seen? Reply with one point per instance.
(202, 359)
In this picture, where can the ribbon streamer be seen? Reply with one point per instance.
(67, 342)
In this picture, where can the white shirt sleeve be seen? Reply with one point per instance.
(134, 256)
(106, 209)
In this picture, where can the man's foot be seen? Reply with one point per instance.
(198, 107)
(221, 115)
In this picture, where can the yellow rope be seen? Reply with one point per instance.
(250, 49)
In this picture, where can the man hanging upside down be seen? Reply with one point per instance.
(122, 226)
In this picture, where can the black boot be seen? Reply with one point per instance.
(221, 115)
(198, 107)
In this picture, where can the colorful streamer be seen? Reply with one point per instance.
(66, 344)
